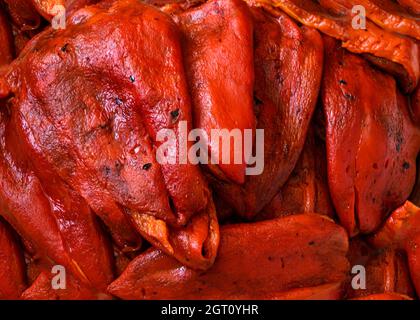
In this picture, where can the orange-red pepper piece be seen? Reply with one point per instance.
(255, 260)
(214, 35)
(402, 231)
(288, 63)
(372, 142)
(372, 40)
(12, 265)
(306, 190)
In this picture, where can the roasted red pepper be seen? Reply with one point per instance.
(283, 99)
(372, 143)
(337, 23)
(6, 39)
(255, 261)
(385, 13)
(307, 187)
(23, 14)
(385, 296)
(12, 266)
(214, 35)
(98, 130)
(402, 231)
(412, 5)
(92, 124)
(386, 270)
(55, 223)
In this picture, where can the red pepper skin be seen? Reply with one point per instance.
(12, 265)
(56, 225)
(73, 5)
(367, 179)
(411, 5)
(98, 134)
(283, 99)
(215, 34)
(23, 14)
(385, 296)
(386, 270)
(42, 289)
(330, 291)
(6, 39)
(415, 105)
(255, 261)
(385, 13)
(48, 8)
(401, 231)
(335, 20)
(306, 190)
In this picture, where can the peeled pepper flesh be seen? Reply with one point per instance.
(6, 39)
(402, 231)
(412, 5)
(114, 105)
(215, 34)
(372, 142)
(306, 190)
(12, 266)
(262, 260)
(288, 63)
(386, 270)
(373, 40)
(56, 225)
(81, 110)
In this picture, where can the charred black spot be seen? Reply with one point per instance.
(311, 243)
(343, 82)
(147, 166)
(257, 101)
(64, 48)
(406, 165)
(257, 106)
(132, 79)
(175, 114)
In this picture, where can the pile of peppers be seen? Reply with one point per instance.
(82, 190)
